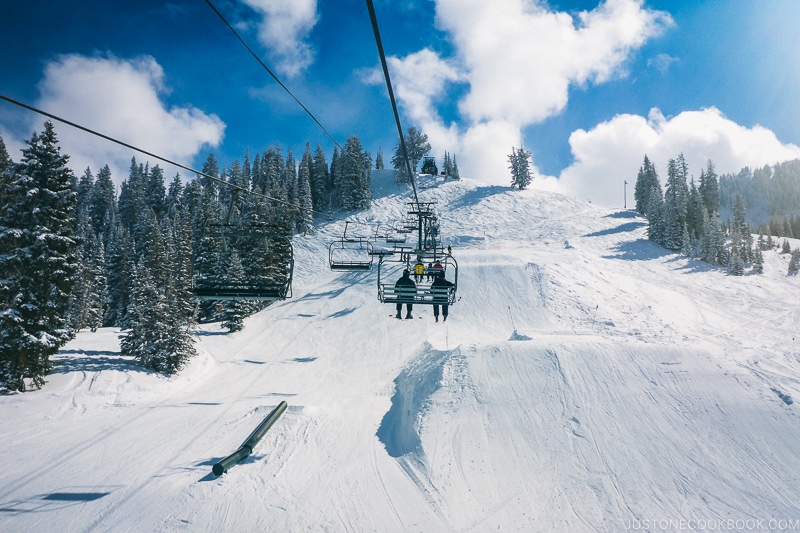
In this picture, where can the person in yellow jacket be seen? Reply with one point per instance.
(419, 271)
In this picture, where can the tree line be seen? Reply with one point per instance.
(685, 216)
(75, 255)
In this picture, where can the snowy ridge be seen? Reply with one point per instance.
(585, 379)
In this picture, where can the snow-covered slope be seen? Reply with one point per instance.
(586, 380)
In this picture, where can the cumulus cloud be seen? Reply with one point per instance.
(285, 25)
(518, 59)
(613, 151)
(120, 98)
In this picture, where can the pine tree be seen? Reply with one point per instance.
(520, 165)
(38, 260)
(379, 160)
(656, 226)
(120, 263)
(418, 147)
(676, 198)
(709, 189)
(305, 214)
(211, 168)
(174, 197)
(158, 338)
(646, 181)
(694, 212)
(98, 295)
(234, 311)
(354, 190)
(319, 181)
(131, 201)
(155, 195)
(794, 262)
(447, 166)
(758, 261)
(84, 192)
(103, 204)
(182, 295)
(785, 248)
(735, 263)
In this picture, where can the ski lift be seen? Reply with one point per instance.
(350, 253)
(436, 263)
(269, 269)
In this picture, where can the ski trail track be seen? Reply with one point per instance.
(577, 384)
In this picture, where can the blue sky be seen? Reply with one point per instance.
(589, 87)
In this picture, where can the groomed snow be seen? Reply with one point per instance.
(586, 380)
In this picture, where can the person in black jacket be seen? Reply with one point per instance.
(440, 282)
(408, 283)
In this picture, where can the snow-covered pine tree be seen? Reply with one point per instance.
(447, 166)
(379, 160)
(676, 198)
(454, 175)
(234, 311)
(694, 212)
(185, 306)
(247, 173)
(211, 168)
(520, 166)
(334, 176)
(84, 193)
(355, 193)
(79, 297)
(98, 294)
(785, 247)
(290, 183)
(155, 195)
(158, 338)
(319, 181)
(131, 203)
(305, 214)
(758, 261)
(38, 260)
(174, 197)
(646, 181)
(794, 262)
(418, 147)
(120, 262)
(656, 226)
(735, 263)
(709, 189)
(103, 204)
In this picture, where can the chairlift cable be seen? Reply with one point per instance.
(379, 44)
(160, 158)
(283, 86)
(269, 71)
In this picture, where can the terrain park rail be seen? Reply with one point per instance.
(246, 448)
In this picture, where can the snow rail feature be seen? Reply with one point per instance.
(246, 448)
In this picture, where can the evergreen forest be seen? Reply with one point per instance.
(74, 254)
(687, 216)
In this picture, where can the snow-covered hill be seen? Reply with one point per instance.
(586, 380)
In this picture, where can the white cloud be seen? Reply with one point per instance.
(613, 151)
(518, 59)
(120, 98)
(662, 62)
(286, 23)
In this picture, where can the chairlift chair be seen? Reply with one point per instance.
(277, 260)
(391, 265)
(350, 253)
